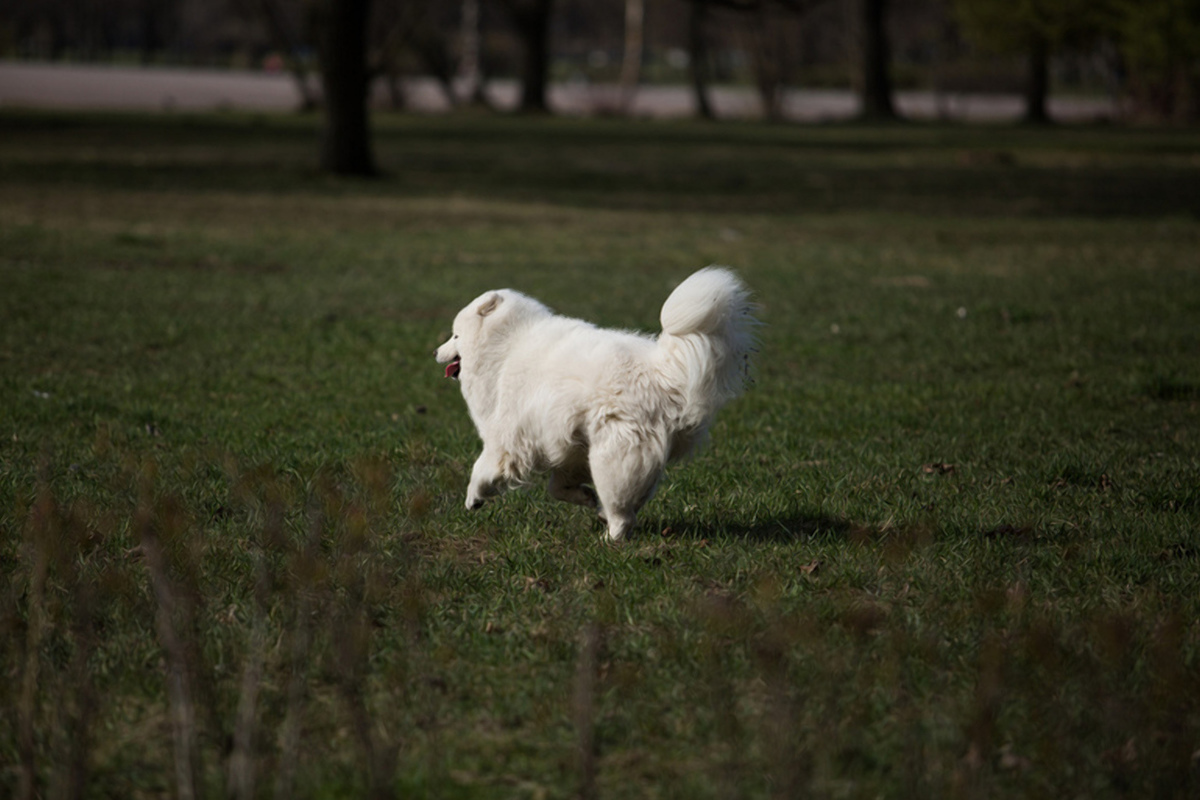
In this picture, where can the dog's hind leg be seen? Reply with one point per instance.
(486, 479)
(567, 484)
(625, 472)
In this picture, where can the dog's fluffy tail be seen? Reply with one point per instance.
(708, 337)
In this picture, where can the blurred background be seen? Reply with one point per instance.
(794, 60)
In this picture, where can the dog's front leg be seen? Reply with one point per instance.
(485, 479)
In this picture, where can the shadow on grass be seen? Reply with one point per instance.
(792, 169)
(1172, 390)
(797, 525)
(734, 181)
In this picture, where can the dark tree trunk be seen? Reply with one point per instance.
(345, 139)
(1037, 86)
(631, 58)
(532, 20)
(875, 60)
(151, 42)
(698, 57)
(768, 64)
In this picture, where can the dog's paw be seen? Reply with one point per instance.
(619, 526)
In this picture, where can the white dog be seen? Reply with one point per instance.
(593, 406)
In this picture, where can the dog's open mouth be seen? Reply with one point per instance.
(454, 367)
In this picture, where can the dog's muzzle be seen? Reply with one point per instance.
(454, 367)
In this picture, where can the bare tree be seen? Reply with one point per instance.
(773, 33)
(470, 64)
(345, 78)
(287, 42)
(430, 39)
(874, 58)
(698, 64)
(1037, 80)
(1159, 42)
(769, 45)
(532, 21)
(1035, 30)
(156, 16)
(631, 63)
(1003, 27)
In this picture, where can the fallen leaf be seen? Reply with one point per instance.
(1012, 761)
(1006, 531)
(1125, 754)
(811, 567)
(537, 583)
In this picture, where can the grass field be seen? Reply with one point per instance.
(947, 546)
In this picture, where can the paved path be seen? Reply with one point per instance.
(64, 86)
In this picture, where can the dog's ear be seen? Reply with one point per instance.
(489, 305)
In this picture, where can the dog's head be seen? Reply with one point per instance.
(467, 333)
(476, 328)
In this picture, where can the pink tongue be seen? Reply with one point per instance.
(452, 368)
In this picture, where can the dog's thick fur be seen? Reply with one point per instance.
(602, 410)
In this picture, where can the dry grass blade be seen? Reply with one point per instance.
(583, 709)
(179, 691)
(74, 778)
(299, 658)
(789, 765)
(351, 634)
(38, 545)
(350, 641)
(242, 764)
(85, 601)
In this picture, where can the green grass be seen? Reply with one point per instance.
(946, 546)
